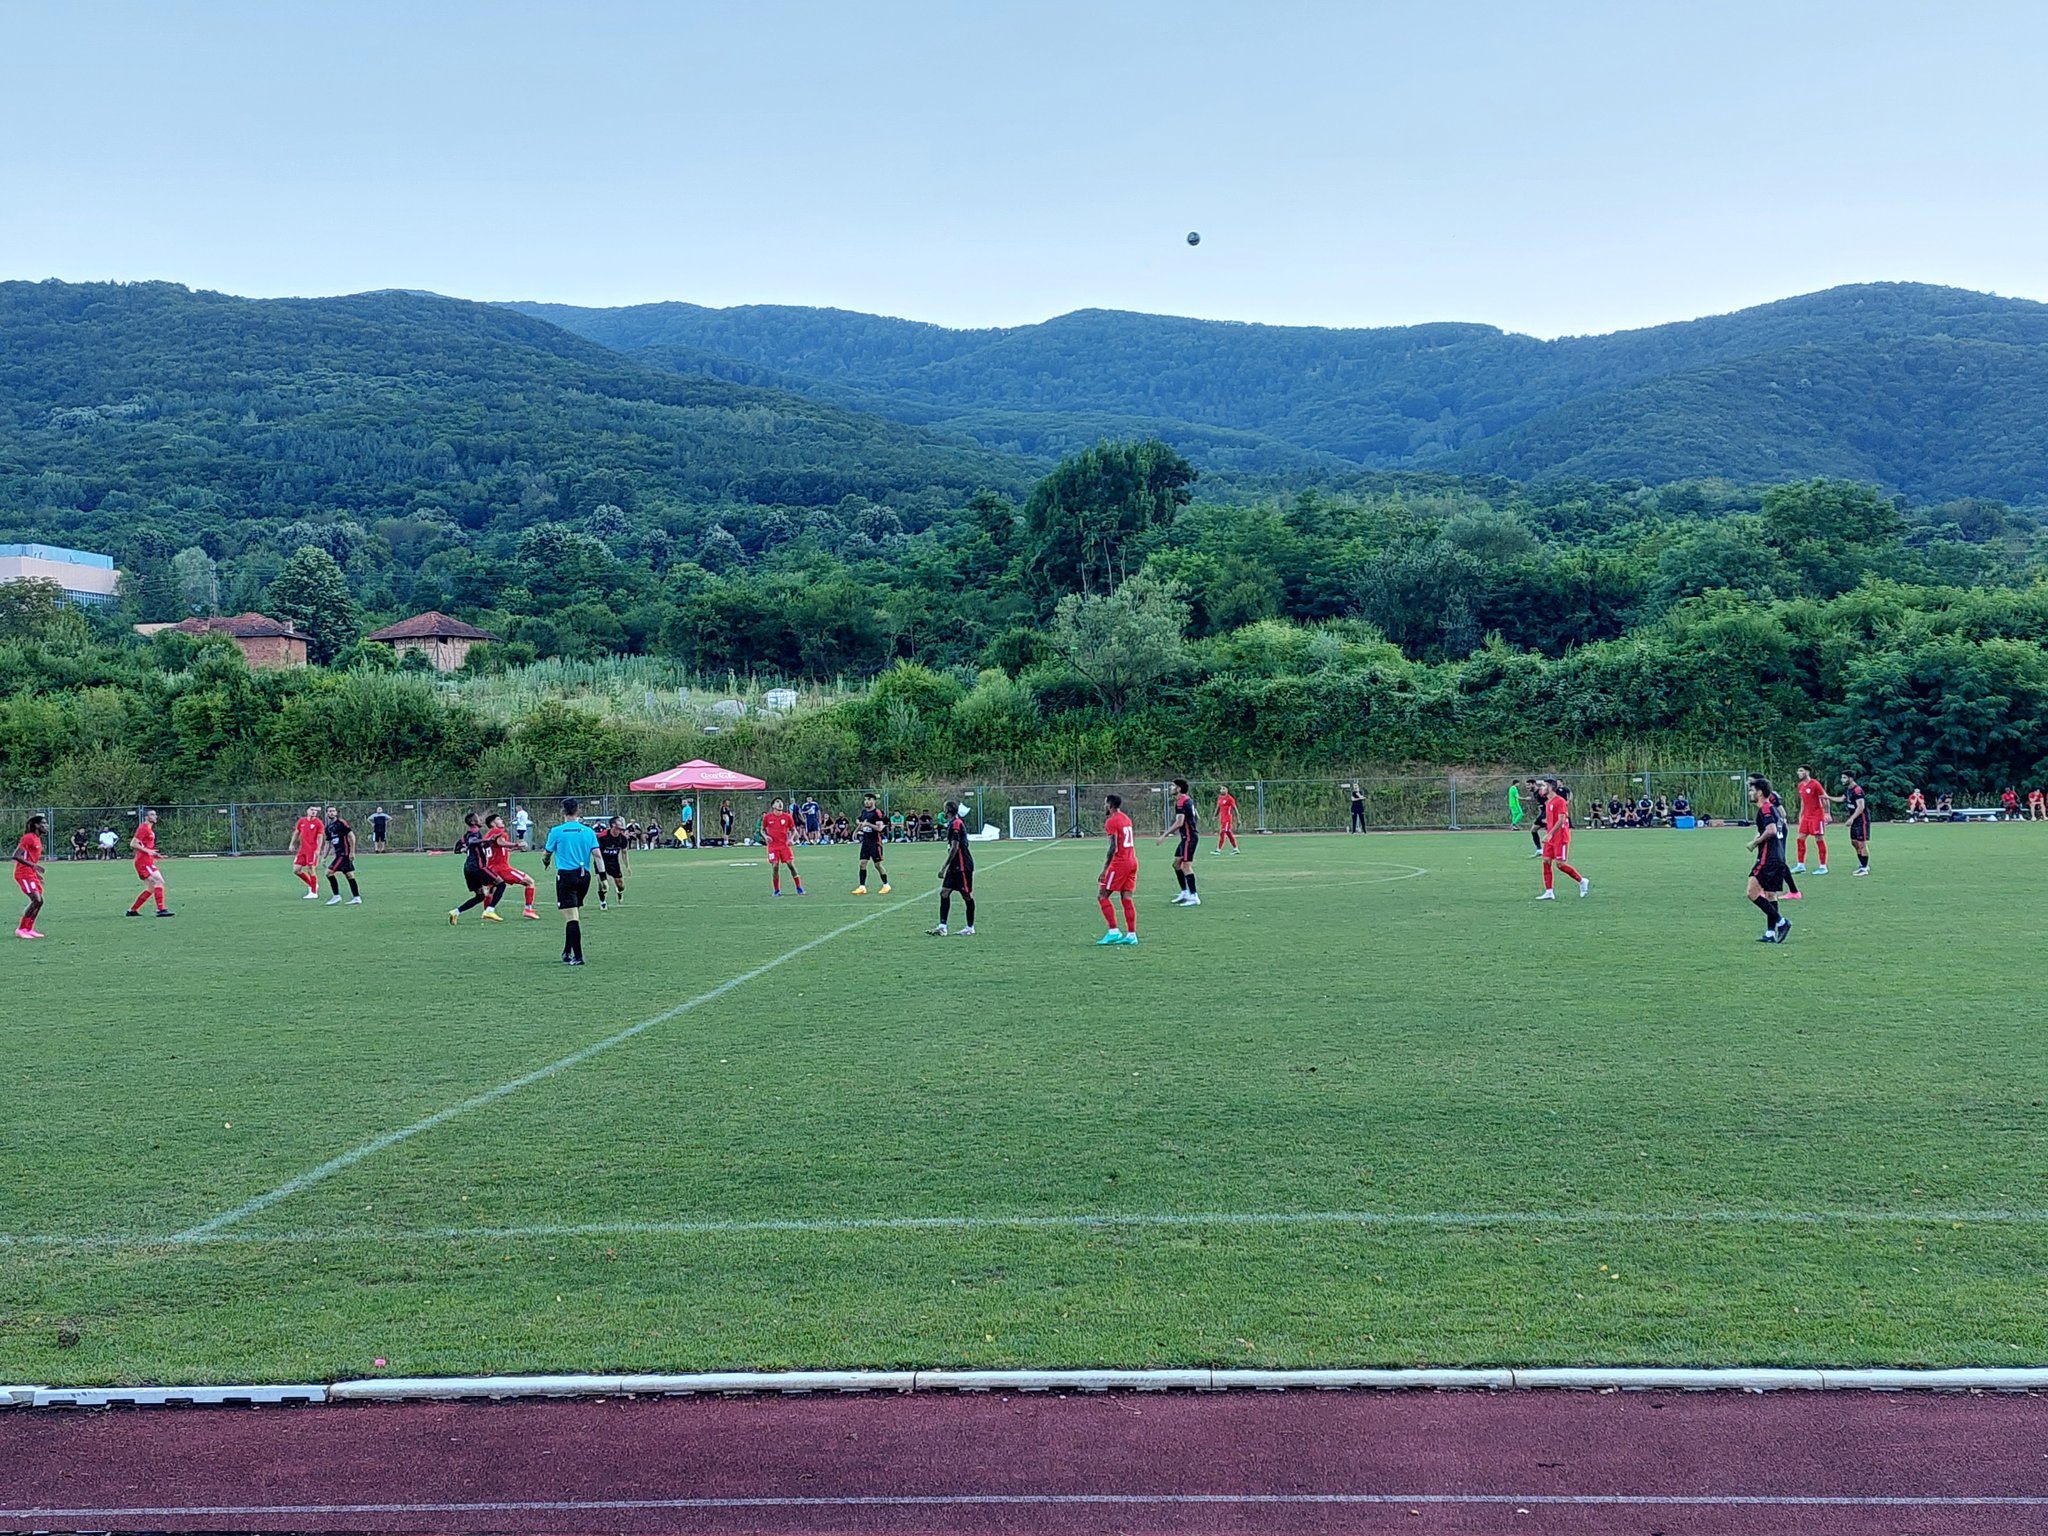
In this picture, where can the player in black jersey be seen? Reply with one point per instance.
(484, 887)
(1859, 820)
(1769, 875)
(611, 857)
(1184, 828)
(873, 827)
(957, 877)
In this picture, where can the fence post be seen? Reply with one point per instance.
(1454, 802)
(1260, 786)
(1073, 810)
(419, 826)
(234, 832)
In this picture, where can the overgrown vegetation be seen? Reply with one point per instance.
(941, 611)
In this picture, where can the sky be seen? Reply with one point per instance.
(1554, 168)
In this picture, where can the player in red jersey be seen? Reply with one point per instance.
(143, 842)
(777, 827)
(307, 833)
(1119, 873)
(28, 875)
(498, 862)
(1226, 817)
(1557, 837)
(1813, 820)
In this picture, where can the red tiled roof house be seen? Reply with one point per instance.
(445, 642)
(263, 641)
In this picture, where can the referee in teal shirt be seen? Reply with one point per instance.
(569, 848)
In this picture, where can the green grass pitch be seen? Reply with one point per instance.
(1370, 1104)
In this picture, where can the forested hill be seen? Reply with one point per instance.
(150, 403)
(1934, 392)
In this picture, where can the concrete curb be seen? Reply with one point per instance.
(1540, 1378)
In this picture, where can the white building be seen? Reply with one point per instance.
(86, 578)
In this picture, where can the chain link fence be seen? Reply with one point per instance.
(1465, 799)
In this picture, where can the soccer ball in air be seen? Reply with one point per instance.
(1194, 237)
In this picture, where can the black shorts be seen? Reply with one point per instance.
(957, 878)
(480, 879)
(572, 888)
(1188, 846)
(870, 848)
(611, 866)
(1771, 874)
(1859, 829)
(342, 865)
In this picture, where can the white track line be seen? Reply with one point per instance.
(969, 1500)
(371, 1148)
(723, 1226)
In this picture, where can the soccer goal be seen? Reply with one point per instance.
(1033, 823)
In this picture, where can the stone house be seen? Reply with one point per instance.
(445, 642)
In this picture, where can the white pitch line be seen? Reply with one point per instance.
(1086, 1221)
(440, 1117)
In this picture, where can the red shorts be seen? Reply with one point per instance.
(1556, 847)
(1120, 877)
(31, 887)
(510, 876)
(145, 868)
(309, 855)
(1812, 826)
(778, 853)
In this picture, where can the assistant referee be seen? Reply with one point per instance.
(568, 851)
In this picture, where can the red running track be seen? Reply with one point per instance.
(1809, 1462)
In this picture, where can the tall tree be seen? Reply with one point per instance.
(1081, 519)
(197, 579)
(1124, 640)
(312, 594)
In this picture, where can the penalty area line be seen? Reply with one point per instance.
(489, 1096)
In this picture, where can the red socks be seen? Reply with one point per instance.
(1569, 872)
(139, 901)
(1822, 844)
(1108, 912)
(1130, 915)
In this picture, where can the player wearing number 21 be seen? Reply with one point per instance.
(1119, 873)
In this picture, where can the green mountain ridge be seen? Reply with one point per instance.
(119, 401)
(1933, 392)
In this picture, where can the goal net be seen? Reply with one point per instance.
(1033, 823)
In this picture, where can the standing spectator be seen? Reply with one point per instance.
(810, 815)
(380, 824)
(522, 826)
(725, 822)
(685, 819)
(1357, 808)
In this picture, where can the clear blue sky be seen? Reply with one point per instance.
(1550, 167)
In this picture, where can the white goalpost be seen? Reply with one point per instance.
(1033, 823)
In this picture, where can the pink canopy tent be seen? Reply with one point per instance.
(691, 778)
(697, 774)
